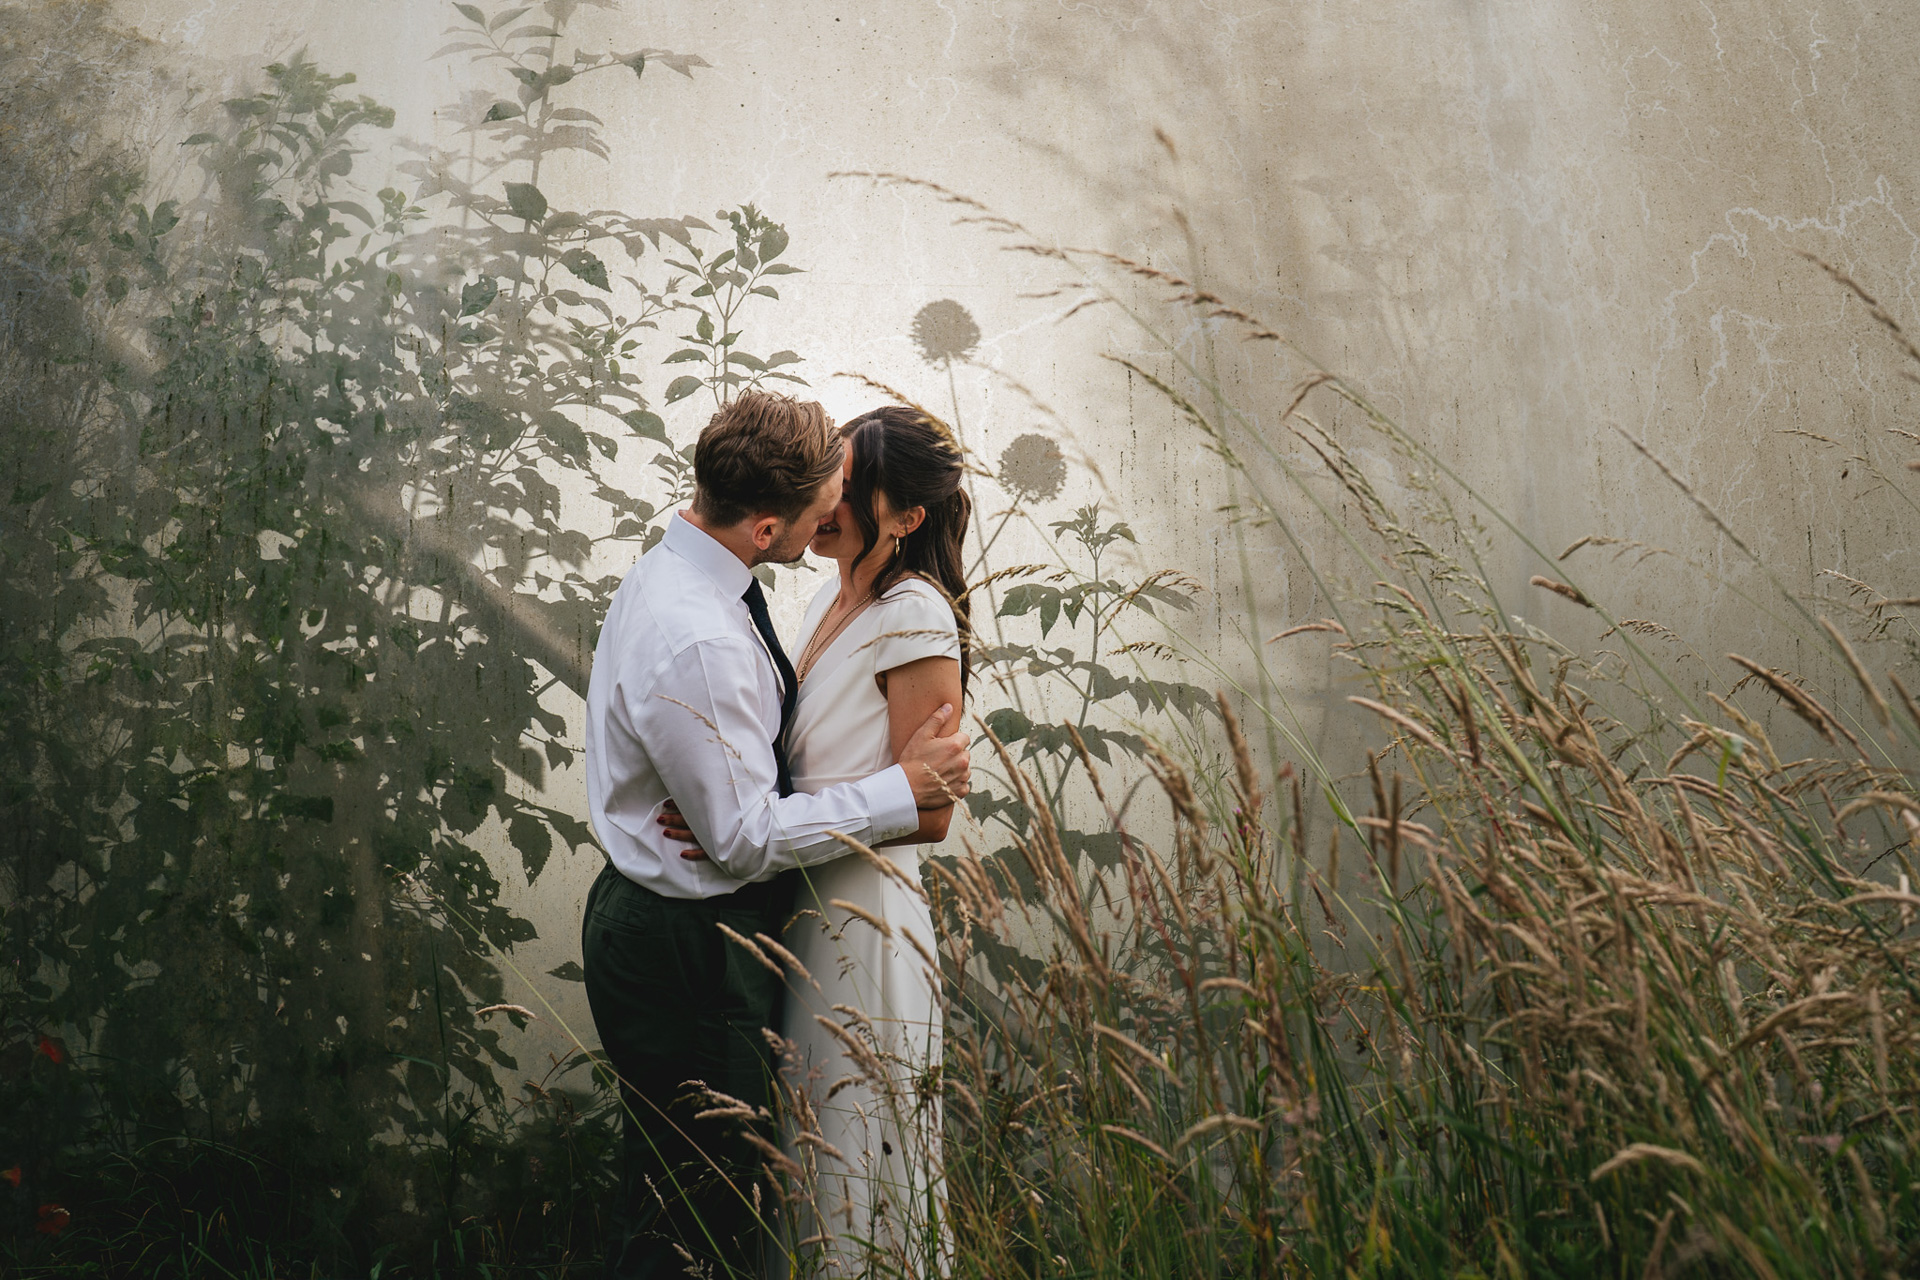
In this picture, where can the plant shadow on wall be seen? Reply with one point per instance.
(290, 564)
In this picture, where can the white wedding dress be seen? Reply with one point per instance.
(872, 1141)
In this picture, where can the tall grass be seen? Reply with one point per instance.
(1578, 1043)
(1626, 1010)
(1623, 986)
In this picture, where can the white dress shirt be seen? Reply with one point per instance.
(684, 702)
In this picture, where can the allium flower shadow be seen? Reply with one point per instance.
(944, 331)
(1032, 467)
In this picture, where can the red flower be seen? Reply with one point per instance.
(51, 1048)
(53, 1220)
(11, 1176)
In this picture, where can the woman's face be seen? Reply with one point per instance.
(838, 537)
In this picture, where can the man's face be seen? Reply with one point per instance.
(790, 543)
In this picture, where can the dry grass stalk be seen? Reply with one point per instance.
(1906, 699)
(1881, 711)
(1560, 589)
(1879, 313)
(1798, 700)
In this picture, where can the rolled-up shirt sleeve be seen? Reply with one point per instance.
(711, 749)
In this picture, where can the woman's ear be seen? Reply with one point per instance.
(911, 520)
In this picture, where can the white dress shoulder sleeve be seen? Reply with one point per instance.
(915, 622)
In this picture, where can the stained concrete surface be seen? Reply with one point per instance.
(1516, 225)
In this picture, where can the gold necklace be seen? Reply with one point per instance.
(823, 639)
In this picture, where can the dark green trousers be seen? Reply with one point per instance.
(676, 1002)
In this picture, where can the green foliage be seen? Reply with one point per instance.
(189, 1207)
(285, 579)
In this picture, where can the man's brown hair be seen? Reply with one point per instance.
(763, 454)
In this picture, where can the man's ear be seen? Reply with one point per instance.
(765, 529)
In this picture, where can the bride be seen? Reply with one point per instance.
(881, 651)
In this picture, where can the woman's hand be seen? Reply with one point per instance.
(675, 825)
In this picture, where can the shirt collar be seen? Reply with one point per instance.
(699, 548)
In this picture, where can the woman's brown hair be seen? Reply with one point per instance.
(912, 457)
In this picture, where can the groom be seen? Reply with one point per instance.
(689, 697)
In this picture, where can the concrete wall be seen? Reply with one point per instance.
(1513, 224)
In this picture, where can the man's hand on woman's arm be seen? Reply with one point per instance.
(936, 765)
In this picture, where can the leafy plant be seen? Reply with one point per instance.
(290, 573)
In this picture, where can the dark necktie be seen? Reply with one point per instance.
(789, 687)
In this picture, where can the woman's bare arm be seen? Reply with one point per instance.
(914, 692)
